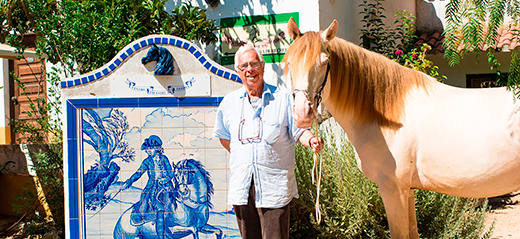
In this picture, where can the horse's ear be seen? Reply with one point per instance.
(293, 30)
(330, 32)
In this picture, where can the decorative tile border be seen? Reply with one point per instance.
(75, 219)
(145, 41)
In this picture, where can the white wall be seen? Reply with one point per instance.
(314, 15)
(469, 65)
(308, 20)
(318, 14)
(349, 19)
(4, 92)
(432, 18)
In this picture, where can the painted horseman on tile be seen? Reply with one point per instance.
(158, 192)
(175, 201)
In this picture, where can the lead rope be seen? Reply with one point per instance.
(320, 156)
(317, 171)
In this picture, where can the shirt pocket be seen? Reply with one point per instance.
(271, 132)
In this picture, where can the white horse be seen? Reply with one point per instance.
(409, 131)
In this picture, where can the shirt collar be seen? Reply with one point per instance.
(268, 90)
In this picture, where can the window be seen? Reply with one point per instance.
(483, 80)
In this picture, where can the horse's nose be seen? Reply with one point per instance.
(302, 111)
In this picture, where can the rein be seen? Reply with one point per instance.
(317, 97)
(318, 174)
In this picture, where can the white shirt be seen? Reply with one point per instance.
(263, 150)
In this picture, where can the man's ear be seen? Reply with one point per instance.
(293, 30)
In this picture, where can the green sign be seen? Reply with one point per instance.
(266, 33)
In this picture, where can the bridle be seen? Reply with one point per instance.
(317, 95)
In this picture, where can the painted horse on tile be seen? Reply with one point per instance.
(409, 131)
(187, 215)
(164, 60)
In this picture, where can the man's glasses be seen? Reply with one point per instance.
(253, 64)
(254, 139)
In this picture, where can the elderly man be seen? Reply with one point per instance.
(255, 125)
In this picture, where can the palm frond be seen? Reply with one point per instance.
(514, 73)
(496, 19)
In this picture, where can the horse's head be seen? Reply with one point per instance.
(195, 186)
(152, 55)
(307, 63)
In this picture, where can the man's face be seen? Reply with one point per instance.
(250, 70)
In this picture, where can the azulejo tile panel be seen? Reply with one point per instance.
(147, 171)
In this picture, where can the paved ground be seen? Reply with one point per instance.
(506, 212)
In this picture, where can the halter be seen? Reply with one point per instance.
(317, 95)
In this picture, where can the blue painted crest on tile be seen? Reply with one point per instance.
(164, 60)
(133, 47)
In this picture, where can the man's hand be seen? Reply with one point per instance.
(316, 143)
(225, 143)
(309, 140)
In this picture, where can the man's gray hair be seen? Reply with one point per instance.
(245, 48)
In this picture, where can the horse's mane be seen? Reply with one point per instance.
(191, 167)
(364, 83)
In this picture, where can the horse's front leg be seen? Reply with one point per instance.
(400, 209)
(184, 231)
(195, 232)
(209, 229)
(414, 233)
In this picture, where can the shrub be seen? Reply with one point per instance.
(351, 206)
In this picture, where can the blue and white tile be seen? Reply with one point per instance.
(152, 117)
(193, 153)
(147, 132)
(194, 137)
(216, 158)
(133, 115)
(90, 157)
(179, 143)
(219, 178)
(211, 142)
(194, 117)
(173, 118)
(209, 116)
(174, 155)
(219, 201)
(173, 138)
(132, 166)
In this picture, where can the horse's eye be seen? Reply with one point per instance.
(324, 63)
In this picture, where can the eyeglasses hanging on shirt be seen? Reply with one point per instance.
(254, 137)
